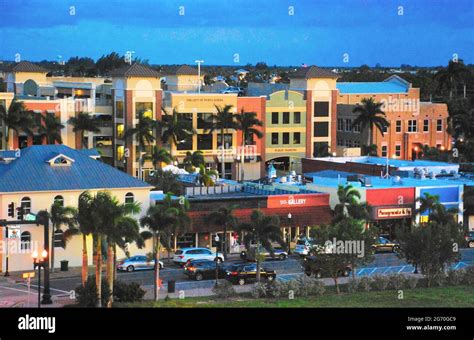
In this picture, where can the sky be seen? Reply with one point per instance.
(237, 32)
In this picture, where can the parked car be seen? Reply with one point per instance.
(312, 268)
(181, 256)
(247, 272)
(138, 262)
(204, 269)
(304, 247)
(383, 244)
(234, 89)
(470, 239)
(278, 253)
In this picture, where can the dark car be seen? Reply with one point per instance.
(244, 273)
(383, 245)
(204, 269)
(311, 266)
(470, 239)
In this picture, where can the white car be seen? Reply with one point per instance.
(138, 262)
(181, 256)
(303, 247)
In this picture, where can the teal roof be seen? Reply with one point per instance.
(32, 172)
(371, 87)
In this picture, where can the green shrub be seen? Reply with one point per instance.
(469, 275)
(274, 289)
(259, 290)
(288, 286)
(380, 282)
(224, 289)
(87, 296)
(128, 292)
(309, 286)
(438, 280)
(352, 285)
(455, 277)
(396, 281)
(410, 282)
(364, 284)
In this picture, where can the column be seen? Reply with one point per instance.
(196, 240)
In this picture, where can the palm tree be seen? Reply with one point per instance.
(370, 115)
(247, 122)
(16, 118)
(224, 217)
(60, 216)
(193, 160)
(160, 155)
(223, 120)
(85, 221)
(143, 133)
(451, 76)
(174, 129)
(261, 231)
(207, 177)
(51, 128)
(81, 123)
(428, 203)
(165, 181)
(349, 198)
(158, 219)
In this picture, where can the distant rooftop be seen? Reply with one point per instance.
(184, 70)
(26, 66)
(398, 163)
(393, 84)
(313, 72)
(135, 70)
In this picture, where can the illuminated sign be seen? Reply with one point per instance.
(393, 212)
(282, 201)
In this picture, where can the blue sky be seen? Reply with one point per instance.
(319, 32)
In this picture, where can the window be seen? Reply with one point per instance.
(398, 126)
(340, 142)
(349, 143)
(286, 138)
(26, 205)
(145, 108)
(119, 109)
(321, 109)
(227, 141)
(348, 125)
(186, 144)
(286, 118)
(426, 125)
(274, 138)
(340, 124)
(274, 117)
(356, 127)
(25, 240)
(439, 125)
(59, 200)
(384, 128)
(384, 151)
(120, 130)
(203, 120)
(204, 141)
(120, 152)
(398, 150)
(412, 125)
(320, 149)
(59, 241)
(321, 129)
(357, 144)
(296, 138)
(129, 198)
(296, 117)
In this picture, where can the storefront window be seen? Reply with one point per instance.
(145, 108)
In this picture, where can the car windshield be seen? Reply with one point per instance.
(178, 252)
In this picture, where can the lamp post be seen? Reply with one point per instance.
(7, 273)
(216, 238)
(39, 262)
(199, 62)
(289, 231)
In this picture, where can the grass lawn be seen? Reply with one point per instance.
(457, 296)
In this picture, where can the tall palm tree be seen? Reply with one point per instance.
(16, 118)
(261, 231)
(348, 197)
(85, 221)
(143, 133)
(370, 115)
(224, 217)
(81, 123)
(449, 77)
(160, 155)
(247, 123)
(174, 129)
(428, 203)
(60, 216)
(193, 160)
(51, 128)
(223, 120)
(158, 219)
(207, 177)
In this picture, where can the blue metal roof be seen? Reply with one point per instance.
(393, 84)
(32, 172)
(400, 163)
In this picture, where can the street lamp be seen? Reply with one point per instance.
(289, 231)
(199, 62)
(216, 238)
(39, 262)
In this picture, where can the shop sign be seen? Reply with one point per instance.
(282, 201)
(393, 212)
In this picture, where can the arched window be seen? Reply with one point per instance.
(59, 239)
(25, 240)
(59, 200)
(26, 205)
(129, 198)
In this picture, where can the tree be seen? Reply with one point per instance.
(60, 216)
(247, 122)
(158, 219)
(109, 62)
(369, 150)
(159, 156)
(81, 123)
(449, 77)
(224, 217)
(223, 120)
(370, 115)
(175, 130)
(51, 128)
(165, 181)
(193, 160)
(207, 177)
(16, 118)
(261, 231)
(85, 222)
(349, 201)
(432, 246)
(143, 133)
